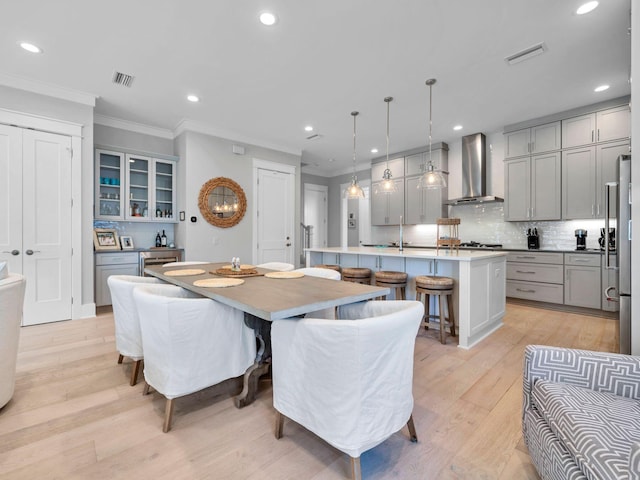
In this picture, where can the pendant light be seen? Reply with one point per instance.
(431, 178)
(354, 191)
(387, 185)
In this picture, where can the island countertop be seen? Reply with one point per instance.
(426, 253)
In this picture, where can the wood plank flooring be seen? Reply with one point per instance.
(74, 415)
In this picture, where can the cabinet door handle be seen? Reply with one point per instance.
(533, 146)
(580, 260)
(592, 210)
(591, 135)
(525, 290)
(435, 267)
(525, 256)
(523, 271)
(12, 252)
(598, 134)
(31, 252)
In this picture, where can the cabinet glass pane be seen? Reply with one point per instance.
(110, 182)
(164, 190)
(138, 187)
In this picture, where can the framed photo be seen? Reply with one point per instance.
(352, 223)
(105, 239)
(126, 242)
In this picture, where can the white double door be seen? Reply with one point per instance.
(35, 219)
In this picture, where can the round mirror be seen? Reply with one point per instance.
(222, 202)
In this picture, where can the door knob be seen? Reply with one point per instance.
(31, 252)
(288, 244)
(12, 252)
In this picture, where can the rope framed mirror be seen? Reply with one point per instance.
(222, 202)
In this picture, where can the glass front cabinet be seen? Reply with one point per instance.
(134, 187)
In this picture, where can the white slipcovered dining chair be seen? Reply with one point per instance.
(190, 342)
(322, 273)
(125, 317)
(11, 303)
(350, 380)
(279, 266)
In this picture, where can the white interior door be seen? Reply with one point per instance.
(46, 226)
(316, 212)
(275, 193)
(11, 197)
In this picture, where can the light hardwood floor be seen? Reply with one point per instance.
(74, 415)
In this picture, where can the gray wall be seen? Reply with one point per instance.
(204, 157)
(125, 139)
(33, 103)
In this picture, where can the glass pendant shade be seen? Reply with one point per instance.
(354, 191)
(432, 178)
(387, 185)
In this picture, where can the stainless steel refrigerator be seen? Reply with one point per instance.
(623, 247)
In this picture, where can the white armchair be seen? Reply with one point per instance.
(190, 342)
(279, 266)
(350, 380)
(330, 312)
(125, 317)
(11, 304)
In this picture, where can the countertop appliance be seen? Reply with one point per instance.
(623, 244)
(581, 239)
(610, 238)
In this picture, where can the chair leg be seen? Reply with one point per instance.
(120, 358)
(412, 430)
(452, 317)
(356, 471)
(442, 320)
(135, 370)
(279, 424)
(145, 390)
(168, 415)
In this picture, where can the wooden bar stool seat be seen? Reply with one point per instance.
(442, 287)
(393, 280)
(337, 268)
(357, 275)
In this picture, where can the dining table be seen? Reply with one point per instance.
(264, 296)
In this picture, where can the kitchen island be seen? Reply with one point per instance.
(479, 295)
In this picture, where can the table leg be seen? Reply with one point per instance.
(261, 365)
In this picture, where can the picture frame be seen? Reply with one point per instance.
(105, 239)
(126, 242)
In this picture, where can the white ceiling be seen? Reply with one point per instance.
(322, 60)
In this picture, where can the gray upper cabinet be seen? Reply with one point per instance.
(386, 209)
(603, 126)
(534, 140)
(607, 171)
(532, 188)
(396, 166)
(578, 183)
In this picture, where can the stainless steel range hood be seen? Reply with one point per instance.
(474, 172)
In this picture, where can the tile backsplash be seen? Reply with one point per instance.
(142, 233)
(485, 223)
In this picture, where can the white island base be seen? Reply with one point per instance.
(480, 290)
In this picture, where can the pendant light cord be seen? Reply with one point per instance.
(388, 100)
(430, 82)
(354, 114)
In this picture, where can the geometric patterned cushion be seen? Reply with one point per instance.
(597, 428)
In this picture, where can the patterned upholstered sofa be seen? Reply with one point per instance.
(581, 413)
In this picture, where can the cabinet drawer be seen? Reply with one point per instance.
(535, 257)
(539, 292)
(116, 258)
(582, 260)
(535, 272)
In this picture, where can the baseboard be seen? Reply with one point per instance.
(564, 308)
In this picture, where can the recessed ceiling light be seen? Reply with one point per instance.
(601, 88)
(586, 8)
(30, 47)
(308, 128)
(331, 160)
(268, 18)
(374, 150)
(193, 98)
(458, 127)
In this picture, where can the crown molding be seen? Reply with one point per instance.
(49, 90)
(322, 172)
(133, 126)
(198, 127)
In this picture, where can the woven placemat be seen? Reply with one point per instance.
(284, 274)
(218, 282)
(245, 271)
(184, 272)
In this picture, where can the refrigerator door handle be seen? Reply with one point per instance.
(607, 260)
(608, 295)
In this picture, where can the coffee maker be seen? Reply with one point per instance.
(612, 239)
(581, 239)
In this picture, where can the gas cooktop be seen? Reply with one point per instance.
(474, 244)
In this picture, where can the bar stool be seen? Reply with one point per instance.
(443, 288)
(393, 280)
(357, 275)
(337, 268)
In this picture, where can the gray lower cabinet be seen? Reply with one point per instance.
(582, 280)
(107, 264)
(342, 259)
(535, 276)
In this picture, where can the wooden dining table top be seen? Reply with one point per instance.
(272, 298)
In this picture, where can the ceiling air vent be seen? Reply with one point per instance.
(120, 78)
(315, 136)
(526, 54)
